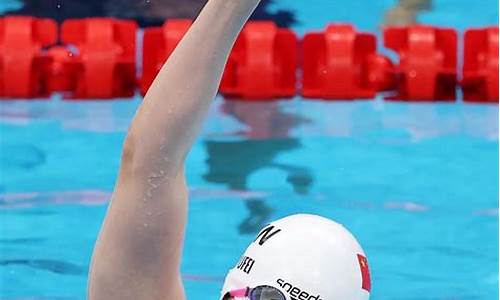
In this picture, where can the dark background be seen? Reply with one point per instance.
(146, 12)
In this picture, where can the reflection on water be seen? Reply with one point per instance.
(21, 156)
(266, 136)
(54, 266)
(324, 118)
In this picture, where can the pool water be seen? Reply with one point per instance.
(416, 183)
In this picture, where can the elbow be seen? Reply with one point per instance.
(140, 157)
(129, 153)
(129, 148)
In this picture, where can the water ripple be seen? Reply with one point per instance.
(54, 266)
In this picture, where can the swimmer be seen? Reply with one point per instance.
(138, 252)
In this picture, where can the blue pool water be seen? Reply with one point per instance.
(416, 183)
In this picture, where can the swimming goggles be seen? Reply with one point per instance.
(262, 292)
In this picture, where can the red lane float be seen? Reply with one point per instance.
(62, 71)
(98, 61)
(22, 60)
(158, 44)
(341, 63)
(262, 64)
(427, 67)
(480, 70)
(105, 56)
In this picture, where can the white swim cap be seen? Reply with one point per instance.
(307, 257)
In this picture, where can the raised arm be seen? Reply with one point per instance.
(138, 253)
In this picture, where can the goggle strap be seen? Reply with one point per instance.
(240, 293)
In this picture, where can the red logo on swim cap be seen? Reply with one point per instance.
(366, 283)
